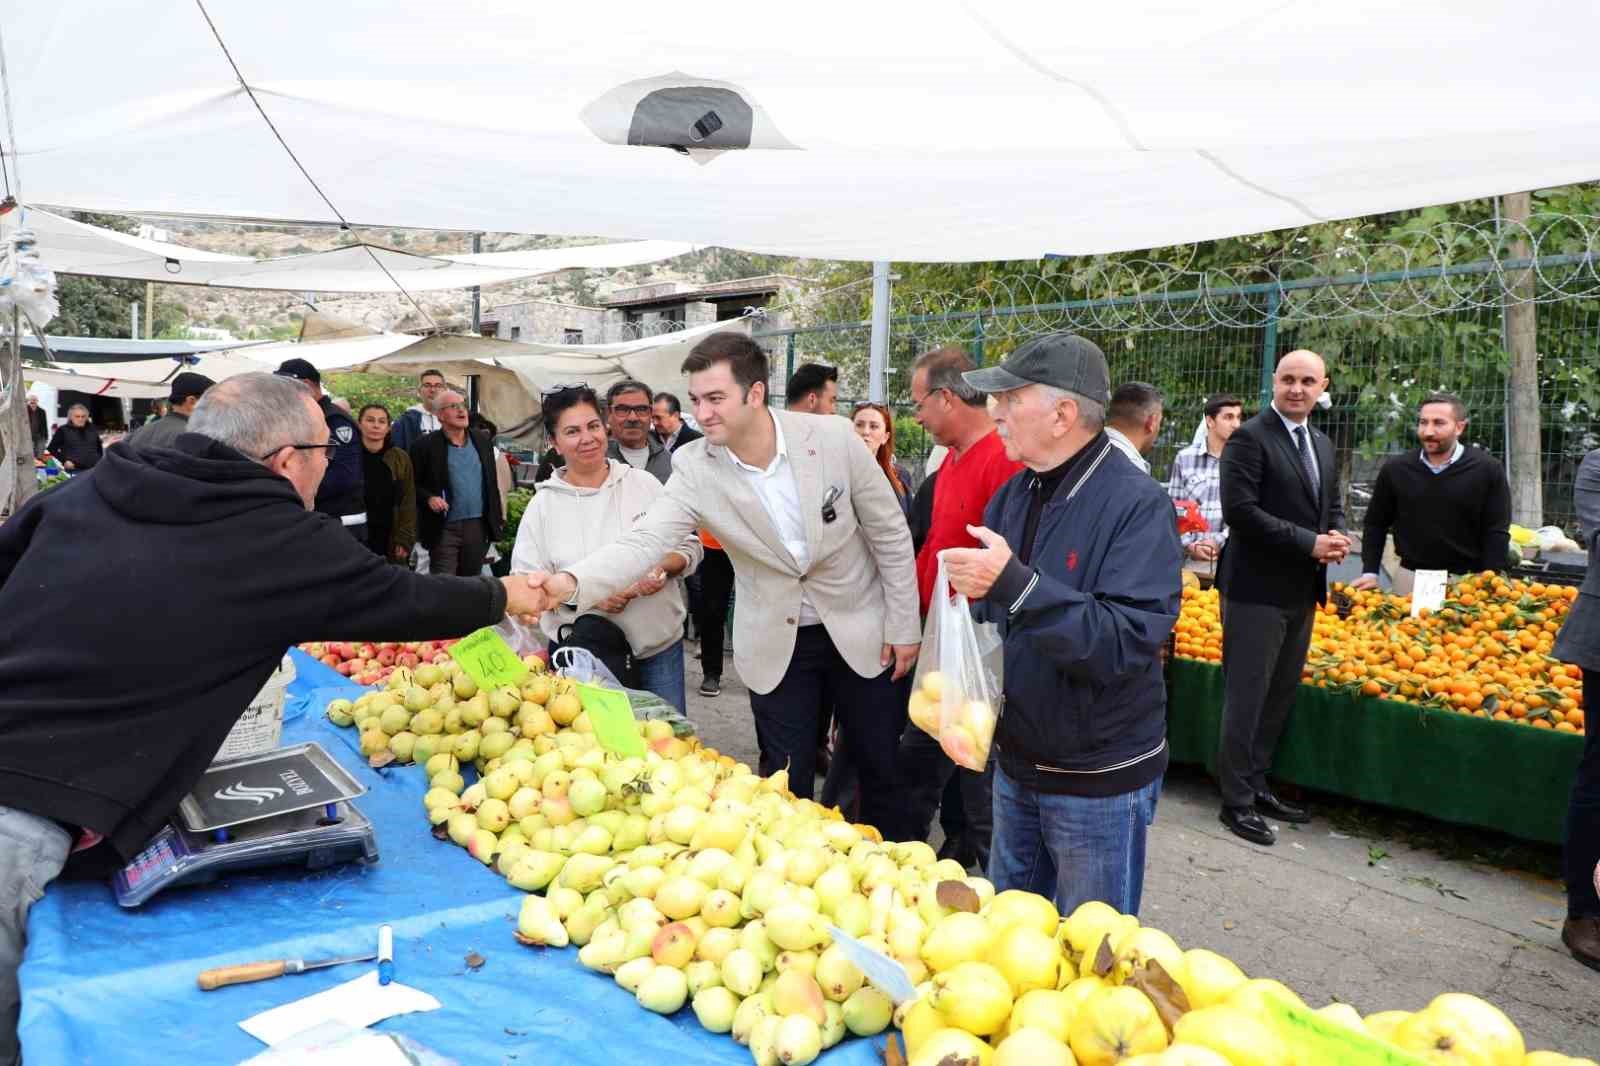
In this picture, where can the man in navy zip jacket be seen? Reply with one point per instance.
(1080, 567)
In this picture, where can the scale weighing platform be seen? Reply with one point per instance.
(288, 807)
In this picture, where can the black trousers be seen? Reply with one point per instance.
(1263, 651)
(716, 591)
(1583, 817)
(870, 717)
(927, 781)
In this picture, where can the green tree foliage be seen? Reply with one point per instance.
(394, 391)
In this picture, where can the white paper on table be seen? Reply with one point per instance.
(333, 1044)
(1427, 590)
(358, 1004)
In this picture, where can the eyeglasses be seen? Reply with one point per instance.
(579, 386)
(454, 407)
(917, 404)
(626, 409)
(326, 449)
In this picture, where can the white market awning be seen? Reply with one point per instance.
(948, 131)
(71, 247)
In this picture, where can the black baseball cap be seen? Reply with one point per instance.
(1063, 360)
(300, 370)
(189, 384)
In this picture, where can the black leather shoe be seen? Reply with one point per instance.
(1582, 938)
(1270, 805)
(1245, 822)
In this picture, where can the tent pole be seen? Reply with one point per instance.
(879, 353)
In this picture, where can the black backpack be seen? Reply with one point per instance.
(603, 639)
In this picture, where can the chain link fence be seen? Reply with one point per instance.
(1389, 338)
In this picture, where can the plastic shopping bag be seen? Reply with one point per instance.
(956, 697)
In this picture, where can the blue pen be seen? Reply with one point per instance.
(385, 955)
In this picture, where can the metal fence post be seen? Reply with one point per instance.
(977, 340)
(1269, 345)
(789, 361)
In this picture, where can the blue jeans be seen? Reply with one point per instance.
(1071, 848)
(662, 674)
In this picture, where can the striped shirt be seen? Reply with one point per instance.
(1197, 475)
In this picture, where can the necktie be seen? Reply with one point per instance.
(1305, 460)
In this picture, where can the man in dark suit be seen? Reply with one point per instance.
(1579, 643)
(1280, 500)
(666, 422)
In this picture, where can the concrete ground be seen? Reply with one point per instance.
(1374, 922)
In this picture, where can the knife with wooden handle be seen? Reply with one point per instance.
(246, 972)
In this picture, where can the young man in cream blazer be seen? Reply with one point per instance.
(823, 567)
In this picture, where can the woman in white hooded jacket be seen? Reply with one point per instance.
(586, 505)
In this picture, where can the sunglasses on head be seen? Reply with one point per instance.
(554, 390)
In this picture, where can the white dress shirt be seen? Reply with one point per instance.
(1125, 446)
(779, 494)
(1311, 445)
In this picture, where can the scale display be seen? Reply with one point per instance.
(289, 807)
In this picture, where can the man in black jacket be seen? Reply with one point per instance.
(105, 726)
(77, 442)
(1280, 500)
(667, 424)
(343, 492)
(1449, 505)
(1079, 567)
(38, 427)
(458, 495)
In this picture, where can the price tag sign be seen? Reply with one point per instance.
(1428, 590)
(488, 659)
(889, 976)
(611, 715)
(1316, 1039)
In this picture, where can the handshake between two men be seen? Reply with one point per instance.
(530, 595)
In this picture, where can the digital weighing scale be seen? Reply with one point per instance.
(288, 807)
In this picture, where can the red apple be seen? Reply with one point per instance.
(343, 668)
(407, 659)
(425, 648)
(329, 660)
(386, 656)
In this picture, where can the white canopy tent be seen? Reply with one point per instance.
(72, 247)
(1000, 130)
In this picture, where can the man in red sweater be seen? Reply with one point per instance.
(956, 416)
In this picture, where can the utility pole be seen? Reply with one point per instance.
(149, 310)
(477, 246)
(1526, 461)
(878, 356)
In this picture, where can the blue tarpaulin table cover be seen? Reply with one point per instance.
(102, 984)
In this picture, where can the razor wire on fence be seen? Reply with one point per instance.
(1390, 335)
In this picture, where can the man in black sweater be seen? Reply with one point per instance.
(106, 723)
(1449, 506)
